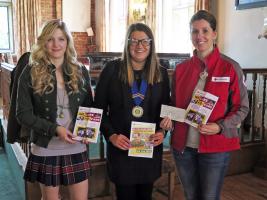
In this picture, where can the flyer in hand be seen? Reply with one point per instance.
(200, 108)
(176, 114)
(141, 144)
(87, 124)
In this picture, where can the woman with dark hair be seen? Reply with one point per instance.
(138, 70)
(202, 154)
(50, 90)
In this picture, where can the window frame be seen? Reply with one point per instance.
(240, 5)
(8, 4)
(157, 25)
(161, 26)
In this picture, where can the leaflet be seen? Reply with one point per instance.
(141, 144)
(87, 124)
(176, 114)
(200, 108)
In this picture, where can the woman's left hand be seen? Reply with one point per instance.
(85, 141)
(209, 128)
(65, 135)
(157, 138)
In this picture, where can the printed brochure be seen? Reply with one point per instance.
(200, 108)
(141, 145)
(87, 124)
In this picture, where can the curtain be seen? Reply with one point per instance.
(202, 5)
(151, 15)
(26, 25)
(100, 25)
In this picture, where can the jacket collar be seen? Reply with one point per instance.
(210, 61)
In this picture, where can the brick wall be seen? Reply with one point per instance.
(48, 10)
(80, 43)
(52, 9)
(59, 9)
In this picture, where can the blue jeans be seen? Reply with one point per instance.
(201, 174)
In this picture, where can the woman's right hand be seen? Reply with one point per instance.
(120, 141)
(166, 124)
(65, 135)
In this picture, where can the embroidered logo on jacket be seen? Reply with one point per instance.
(225, 79)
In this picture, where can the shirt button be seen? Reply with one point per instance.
(47, 117)
(47, 109)
(46, 101)
(78, 99)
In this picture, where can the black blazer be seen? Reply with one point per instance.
(114, 97)
(16, 132)
(38, 112)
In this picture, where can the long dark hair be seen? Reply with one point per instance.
(152, 67)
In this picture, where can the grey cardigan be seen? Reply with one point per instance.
(38, 112)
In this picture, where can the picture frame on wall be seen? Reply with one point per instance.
(246, 4)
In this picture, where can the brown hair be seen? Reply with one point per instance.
(203, 14)
(152, 67)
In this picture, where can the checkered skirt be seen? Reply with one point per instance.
(58, 170)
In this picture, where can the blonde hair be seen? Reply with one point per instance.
(41, 74)
(152, 67)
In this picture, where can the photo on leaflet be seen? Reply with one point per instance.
(86, 132)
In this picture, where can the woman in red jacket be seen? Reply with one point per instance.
(202, 154)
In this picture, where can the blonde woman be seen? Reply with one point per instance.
(51, 88)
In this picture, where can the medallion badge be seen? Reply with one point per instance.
(137, 111)
(138, 96)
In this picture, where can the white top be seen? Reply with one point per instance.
(193, 134)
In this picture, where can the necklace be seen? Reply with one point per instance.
(60, 103)
(60, 114)
(203, 75)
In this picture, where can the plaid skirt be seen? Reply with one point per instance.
(58, 170)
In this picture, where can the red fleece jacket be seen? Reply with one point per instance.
(225, 80)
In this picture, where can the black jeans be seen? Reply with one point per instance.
(134, 192)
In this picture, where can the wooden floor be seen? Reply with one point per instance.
(244, 187)
(239, 187)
